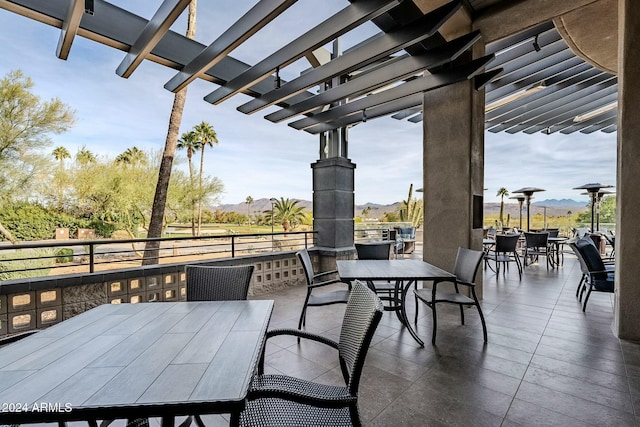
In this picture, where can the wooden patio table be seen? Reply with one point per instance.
(136, 361)
(405, 272)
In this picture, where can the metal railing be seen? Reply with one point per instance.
(81, 256)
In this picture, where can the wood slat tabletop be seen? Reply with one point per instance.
(135, 360)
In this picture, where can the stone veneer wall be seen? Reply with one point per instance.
(41, 302)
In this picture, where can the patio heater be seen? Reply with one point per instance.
(520, 200)
(601, 194)
(593, 189)
(528, 193)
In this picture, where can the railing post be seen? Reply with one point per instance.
(306, 235)
(91, 258)
(233, 246)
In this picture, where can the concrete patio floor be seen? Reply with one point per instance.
(546, 362)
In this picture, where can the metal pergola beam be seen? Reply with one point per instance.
(70, 28)
(407, 113)
(555, 100)
(338, 24)
(571, 127)
(428, 82)
(600, 126)
(546, 40)
(547, 117)
(549, 76)
(555, 90)
(249, 24)
(568, 112)
(375, 49)
(151, 35)
(372, 113)
(396, 71)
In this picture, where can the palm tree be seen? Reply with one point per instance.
(188, 141)
(156, 222)
(288, 213)
(61, 153)
(502, 192)
(84, 156)
(249, 202)
(205, 135)
(132, 156)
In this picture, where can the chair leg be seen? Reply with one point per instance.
(519, 265)
(461, 314)
(586, 298)
(415, 316)
(355, 415)
(582, 279)
(303, 315)
(484, 324)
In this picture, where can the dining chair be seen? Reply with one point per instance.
(315, 281)
(218, 283)
(536, 245)
(467, 264)
(504, 251)
(281, 400)
(599, 277)
(380, 251)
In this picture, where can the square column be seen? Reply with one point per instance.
(453, 172)
(333, 203)
(627, 292)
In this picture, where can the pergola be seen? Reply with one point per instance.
(459, 67)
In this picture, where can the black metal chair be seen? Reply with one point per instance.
(467, 264)
(378, 250)
(598, 278)
(280, 400)
(315, 281)
(504, 252)
(219, 283)
(536, 245)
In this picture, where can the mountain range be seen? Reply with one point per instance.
(554, 207)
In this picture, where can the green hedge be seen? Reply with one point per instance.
(32, 221)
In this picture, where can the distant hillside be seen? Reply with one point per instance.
(260, 205)
(554, 207)
(560, 203)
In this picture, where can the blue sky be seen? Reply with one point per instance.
(256, 157)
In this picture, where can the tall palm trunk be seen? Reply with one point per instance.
(156, 223)
(200, 190)
(193, 203)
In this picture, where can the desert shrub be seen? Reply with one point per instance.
(26, 263)
(64, 255)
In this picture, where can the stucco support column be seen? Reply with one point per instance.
(627, 315)
(453, 172)
(333, 207)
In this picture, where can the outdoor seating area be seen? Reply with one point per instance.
(545, 361)
(529, 354)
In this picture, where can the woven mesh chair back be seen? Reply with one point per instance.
(536, 240)
(361, 317)
(380, 250)
(506, 242)
(206, 283)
